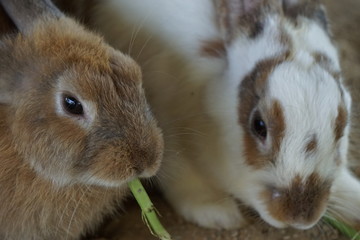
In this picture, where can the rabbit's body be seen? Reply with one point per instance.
(75, 127)
(250, 98)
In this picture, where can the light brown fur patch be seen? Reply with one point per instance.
(311, 9)
(326, 63)
(234, 18)
(213, 48)
(278, 126)
(340, 123)
(311, 146)
(302, 202)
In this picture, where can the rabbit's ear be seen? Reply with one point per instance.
(25, 12)
(235, 15)
(311, 9)
(299, 2)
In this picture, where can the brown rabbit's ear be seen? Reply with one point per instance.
(25, 12)
(244, 15)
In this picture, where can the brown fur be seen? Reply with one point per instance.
(234, 19)
(213, 48)
(38, 146)
(251, 89)
(302, 202)
(278, 126)
(340, 122)
(252, 22)
(326, 63)
(311, 9)
(312, 145)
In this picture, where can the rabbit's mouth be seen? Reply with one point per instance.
(115, 175)
(118, 179)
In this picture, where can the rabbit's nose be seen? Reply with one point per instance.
(147, 157)
(301, 203)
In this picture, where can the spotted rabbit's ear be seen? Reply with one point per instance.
(312, 9)
(25, 12)
(243, 16)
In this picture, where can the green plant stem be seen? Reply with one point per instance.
(149, 213)
(343, 228)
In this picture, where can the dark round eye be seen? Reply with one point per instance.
(259, 127)
(72, 105)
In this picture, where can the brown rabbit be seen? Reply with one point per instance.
(74, 125)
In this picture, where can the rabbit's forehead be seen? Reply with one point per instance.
(94, 85)
(306, 91)
(311, 99)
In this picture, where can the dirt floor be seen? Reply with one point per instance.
(345, 19)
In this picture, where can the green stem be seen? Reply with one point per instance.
(343, 228)
(150, 215)
(148, 210)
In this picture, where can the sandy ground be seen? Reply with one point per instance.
(345, 19)
(130, 227)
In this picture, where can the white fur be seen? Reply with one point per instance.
(345, 198)
(196, 102)
(58, 179)
(176, 25)
(90, 179)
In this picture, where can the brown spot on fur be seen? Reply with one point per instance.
(233, 18)
(340, 123)
(311, 145)
(277, 121)
(252, 22)
(213, 48)
(252, 155)
(223, 18)
(252, 88)
(301, 203)
(326, 63)
(311, 9)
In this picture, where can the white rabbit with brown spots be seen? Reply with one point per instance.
(251, 100)
(74, 125)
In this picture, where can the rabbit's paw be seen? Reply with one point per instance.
(219, 215)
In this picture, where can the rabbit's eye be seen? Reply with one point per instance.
(72, 105)
(259, 127)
